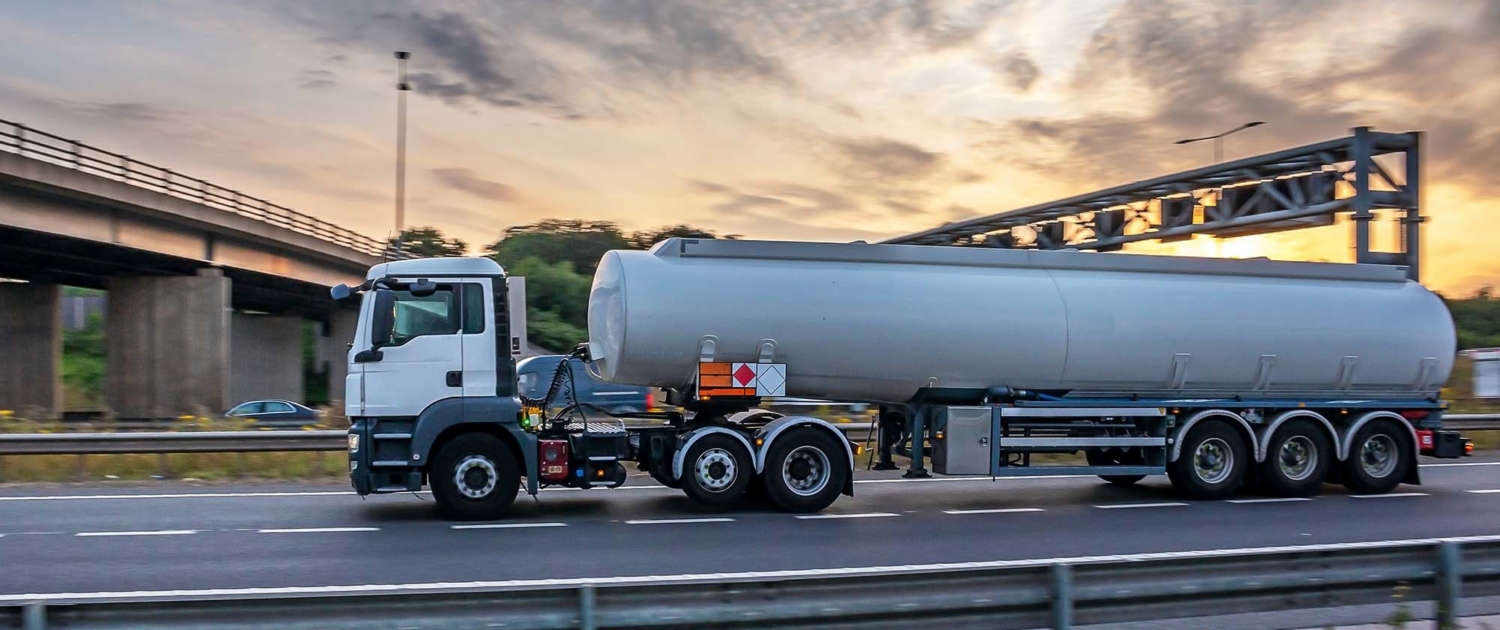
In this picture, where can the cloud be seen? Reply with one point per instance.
(876, 160)
(317, 80)
(1019, 71)
(468, 181)
(780, 199)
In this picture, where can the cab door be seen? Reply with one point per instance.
(421, 361)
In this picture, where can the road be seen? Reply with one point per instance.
(169, 538)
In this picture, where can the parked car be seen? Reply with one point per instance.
(534, 375)
(275, 412)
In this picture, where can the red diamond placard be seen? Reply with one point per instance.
(744, 376)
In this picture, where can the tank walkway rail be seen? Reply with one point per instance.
(1058, 593)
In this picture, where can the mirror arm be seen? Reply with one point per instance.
(369, 356)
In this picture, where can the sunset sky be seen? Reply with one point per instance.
(788, 119)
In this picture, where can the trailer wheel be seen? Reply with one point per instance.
(716, 471)
(1379, 458)
(805, 470)
(1132, 457)
(1212, 462)
(1297, 460)
(475, 477)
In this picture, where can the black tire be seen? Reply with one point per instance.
(490, 474)
(1297, 459)
(664, 477)
(716, 471)
(1131, 457)
(805, 470)
(1223, 459)
(1365, 471)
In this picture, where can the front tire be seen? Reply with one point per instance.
(716, 471)
(475, 477)
(1380, 456)
(1297, 459)
(805, 470)
(1212, 463)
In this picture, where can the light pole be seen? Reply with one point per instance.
(402, 87)
(1219, 139)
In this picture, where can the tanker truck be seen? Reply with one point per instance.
(1220, 374)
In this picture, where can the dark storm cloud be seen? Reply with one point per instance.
(468, 181)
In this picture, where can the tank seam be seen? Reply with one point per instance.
(1067, 328)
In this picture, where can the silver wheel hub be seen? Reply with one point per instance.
(715, 470)
(1378, 457)
(1213, 462)
(805, 470)
(1298, 458)
(475, 476)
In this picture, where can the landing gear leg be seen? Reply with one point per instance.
(918, 470)
(891, 424)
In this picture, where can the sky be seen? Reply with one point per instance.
(830, 120)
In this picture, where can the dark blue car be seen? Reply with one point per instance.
(534, 375)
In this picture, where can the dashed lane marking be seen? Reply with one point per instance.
(1269, 500)
(1393, 495)
(678, 521)
(159, 532)
(995, 511)
(317, 530)
(815, 517)
(506, 525)
(1128, 506)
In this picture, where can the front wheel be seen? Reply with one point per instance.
(475, 477)
(805, 470)
(1212, 463)
(716, 471)
(1380, 456)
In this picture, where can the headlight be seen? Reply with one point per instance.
(353, 443)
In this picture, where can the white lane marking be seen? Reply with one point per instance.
(1269, 500)
(814, 517)
(1127, 506)
(1456, 464)
(317, 530)
(683, 578)
(161, 532)
(995, 511)
(678, 521)
(1393, 495)
(1484, 492)
(507, 525)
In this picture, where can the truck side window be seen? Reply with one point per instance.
(473, 308)
(435, 314)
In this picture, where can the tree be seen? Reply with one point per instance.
(428, 242)
(1477, 319)
(578, 243)
(644, 239)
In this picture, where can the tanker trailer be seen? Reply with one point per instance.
(1212, 371)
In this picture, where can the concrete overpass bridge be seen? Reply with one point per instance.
(208, 288)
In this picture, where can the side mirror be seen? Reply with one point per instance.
(340, 292)
(423, 288)
(382, 318)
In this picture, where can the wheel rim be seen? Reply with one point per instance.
(805, 470)
(475, 476)
(1377, 456)
(1298, 458)
(1213, 461)
(715, 470)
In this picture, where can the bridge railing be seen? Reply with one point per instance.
(54, 149)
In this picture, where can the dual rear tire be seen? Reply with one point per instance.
(1215, 460)
(805, 471)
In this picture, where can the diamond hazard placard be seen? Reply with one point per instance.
(741, 379)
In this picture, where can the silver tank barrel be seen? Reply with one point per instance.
(879, 322)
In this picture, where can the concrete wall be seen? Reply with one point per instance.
(340, 331)
(31, 348)
(265, 358)
(167, 345)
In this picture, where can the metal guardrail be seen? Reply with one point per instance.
(1000, 594)
(156, 442)
(28, 142)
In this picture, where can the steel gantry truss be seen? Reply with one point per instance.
(1298, 188)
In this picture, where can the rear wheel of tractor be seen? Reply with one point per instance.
(716, 471)
(1115, 457)
(1212, 462)
(805, 470)
(1380, 456)
(1297, 459)
(475, 477)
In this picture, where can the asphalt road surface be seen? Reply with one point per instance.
(96, 540)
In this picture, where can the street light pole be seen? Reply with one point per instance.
(1219, 139)
(402, 87)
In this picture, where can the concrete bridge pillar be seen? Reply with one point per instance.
(265, 358)
(31, 349)
(167, 341)
(338, 333)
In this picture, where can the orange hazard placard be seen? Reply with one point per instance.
(718, 378)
